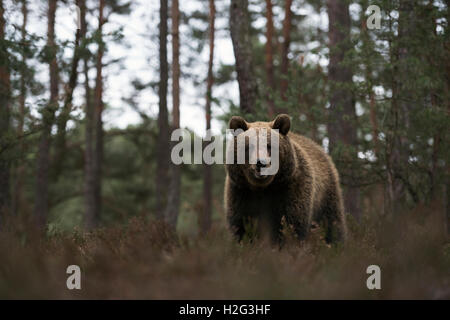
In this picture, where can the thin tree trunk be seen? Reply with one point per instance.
(400, 152)
(311, 114)
(373, 114)
(397, 150)
(447, 197)
(91, 212)
(342, 126)
(60, 141)
(18, 192)
(287, 26)
(447, 161)
(368, 47)
(435, 157)
(374, 123)
(97, 155)
(242, 46)
(48, 116)
(173, 205)
(162, 149)
(378, 189)
(176, 63)
(391, 129)
(370, 93)
(305, 101)
(434, 103)
(5, 96)
(206, 215)
(269, 58)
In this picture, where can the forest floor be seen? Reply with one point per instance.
(143, 260)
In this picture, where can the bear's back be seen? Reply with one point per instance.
(314, 151)
(320, 163)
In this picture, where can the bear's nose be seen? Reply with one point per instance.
(261, 163)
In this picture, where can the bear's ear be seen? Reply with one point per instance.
(238, 123)
(283, 123)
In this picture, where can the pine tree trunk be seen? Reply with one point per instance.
(173, 205)
(97, 154)
(374, 123)
(397, 149)
(311, 114)
(447, 161)
(269, 58)
(60, 141)
(242, 46)
(400, 152)
(447, 196)
(48, 117)
(391, 126)
(378, 191)
(367, 47)
(18, 190)
(163, 141)
(342, 121)
(287, 26)
(91, 212)
(5, 96)
(206, 215)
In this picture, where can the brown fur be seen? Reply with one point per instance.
(306, 187)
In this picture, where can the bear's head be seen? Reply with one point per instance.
(260, 151)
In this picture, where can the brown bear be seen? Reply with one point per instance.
(305, 187)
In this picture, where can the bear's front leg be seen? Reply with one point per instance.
(298, 213)
(237, 226)
(235, 209)
(276, 235)
(269, 224)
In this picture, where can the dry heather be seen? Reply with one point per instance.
(144, 260)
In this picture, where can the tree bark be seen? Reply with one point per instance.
(5, 97)
(397, 150)
(18, 189)
(48, 116)
(392, 125)
(374, 123)
(162, 148)
(173, 205)
(342, 122)
(242, 46)
(447, 195)
(310, 113)
(287, 26)
(447, 161)
(269, 58)
(434, 103)
(367, 47)
(97, 154)
(400, 152)
(60, 141)
(206, 215)
(91, 211)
